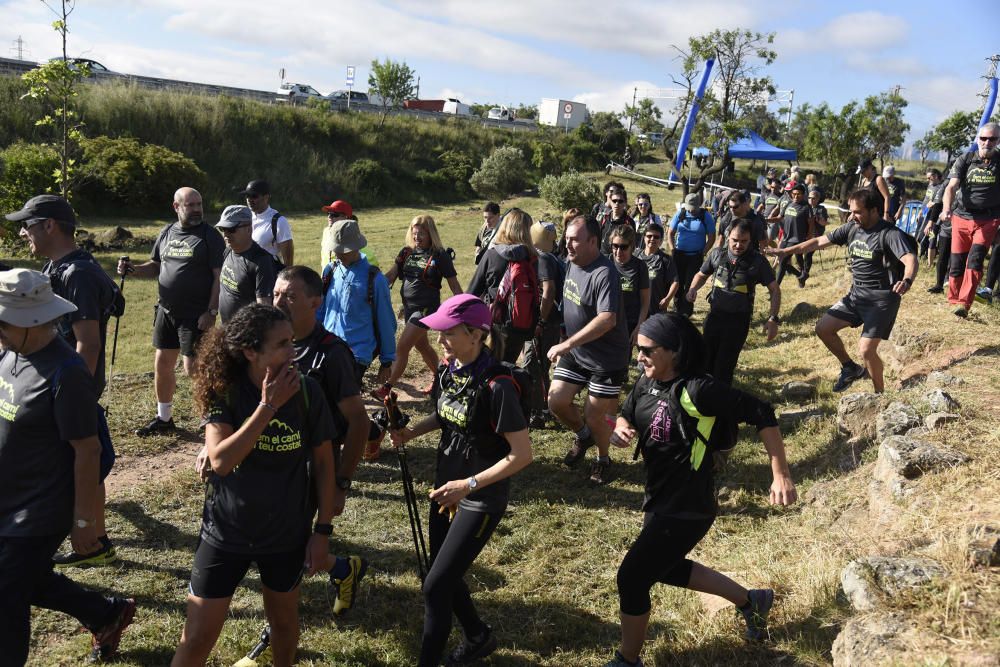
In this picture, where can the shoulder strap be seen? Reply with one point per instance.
(274, 228)
(373, 271)
(56, 378)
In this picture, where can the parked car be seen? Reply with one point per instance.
(341, 96)
(296, 92)
(500, 113)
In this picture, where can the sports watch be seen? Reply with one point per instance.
(473, 483)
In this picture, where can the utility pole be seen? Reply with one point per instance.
(791, 103)
(418, 87)
(635, 91)
(18, 47)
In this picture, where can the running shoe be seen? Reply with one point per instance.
(578, 450)
(105, 642)
(537, 421)
(984, 295)
(104, 556)
(848, 375)
(156, 426)
(620, 661)
(471, 650)
(935, 289)
(962, 312)
(599, 471)
(347, 587)
(760, 601)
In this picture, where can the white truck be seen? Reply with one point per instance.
(453, 106)
(554, 112)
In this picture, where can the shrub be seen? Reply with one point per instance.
(457, 167)
(368, 180)
(570, 190)
(545, 157)
(26, 170)
(500, 174)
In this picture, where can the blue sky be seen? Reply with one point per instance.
(516, 51)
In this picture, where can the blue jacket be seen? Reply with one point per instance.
(346, 312)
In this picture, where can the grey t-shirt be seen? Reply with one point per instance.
(587, 292)
(187, 258)
(662, 273)
(36, 459)
(245, 277)
(868, 248)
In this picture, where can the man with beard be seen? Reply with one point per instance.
(186, 261)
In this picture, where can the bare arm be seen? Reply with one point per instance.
(86, 473)
(353, 409)
(696, 283)
(911, 266)
(392, 274)
(207, 321)
(319, 545)
(948, 198)
(782, 488)
(456, 288)
(665, 301)
(148, 269)
(548, 298)
(884, 189)
(286, 251)
(88, 342)
(806, 246)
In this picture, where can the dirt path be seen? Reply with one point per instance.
(136, 470)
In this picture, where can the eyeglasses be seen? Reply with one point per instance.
(988, 140)
(226, 230)
(647, 351)
(621, 246)
(617, 201)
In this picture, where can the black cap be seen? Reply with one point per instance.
(257, 187)
(45, 206)
(865, 164)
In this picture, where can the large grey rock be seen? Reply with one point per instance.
(941, 401)
(984, 546)
(798, 392)
(910, 458)
(112, 238)
(938, 419)
(875, 639)
(856, 414)
(943, 379)
(869, 582)
(803, 311)
(896, 419)
(904, 347)
(790, 418)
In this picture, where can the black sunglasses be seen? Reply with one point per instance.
(988, 139)
(31, 222)
(647, 350)
(621, 246)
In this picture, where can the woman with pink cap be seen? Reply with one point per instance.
(484, 440)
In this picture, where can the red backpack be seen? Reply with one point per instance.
(518, 300)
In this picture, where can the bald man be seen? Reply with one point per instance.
(186, 261)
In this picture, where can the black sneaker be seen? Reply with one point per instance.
(962, 312)
(802, 281)
(537, 421)
(935, 289)
(755, 613)
(106, 640)
(848, 375)
(578, 451)
(620, 661)
(103, 556)
(471, 650)
(156, 426)
(599, 471)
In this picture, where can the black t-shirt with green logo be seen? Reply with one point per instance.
(245, 277)
(633, 276)
(588, 292)
(662, 273)
(865, 248)
(421, 271)
(187, 257)
(978, 184)
(263, 505)
(734, 281)
(795, 223)
(36, 459)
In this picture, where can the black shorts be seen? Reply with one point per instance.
(600, 384)
(874, 308)
(216, 573)
(413, 314)
(171, 333)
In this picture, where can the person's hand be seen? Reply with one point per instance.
(783, 490)
(400, 437)
(692, 295)
(279, 386)
(622, 435)
(780, 253)
(901, 287)
(771, 329)
(634, 338)
(206, 321)
(944, 215)
(557, 351)
(383, 374)
(449, 495)
(339, 500)
(316, 553)
(202, 465)
(664, 303)
(124, 267)
(84, 540)
(927, 229)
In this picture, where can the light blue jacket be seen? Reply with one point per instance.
(347, 313)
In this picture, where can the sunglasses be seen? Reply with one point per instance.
(642, 203)
(31, 222)
(988, 140)
(226, 230)
(647, 351)
(621, 246)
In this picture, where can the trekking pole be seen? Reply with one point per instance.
(114, 345)
(250, 660)
(412, 506)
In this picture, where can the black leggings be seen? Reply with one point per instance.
(943, 257)
(687, 264)
(724, 335)
(993, 272)
(454, 546)
(658, 555)
(536, 360)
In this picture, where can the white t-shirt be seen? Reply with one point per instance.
(261, 231)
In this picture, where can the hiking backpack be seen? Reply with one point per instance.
(518, 299)
(519, 377)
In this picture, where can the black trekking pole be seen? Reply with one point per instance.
(118, 320)
(250, 660)
(412, 505)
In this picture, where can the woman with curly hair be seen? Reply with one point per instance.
(421, 264)
(264, 424)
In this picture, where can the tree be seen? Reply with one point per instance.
(954, 134)
(646, 115)
(605, 130)
(55, 84)
(392, 82)
(833, 139)
(527, 112)
(794, 136)
(923, 148)
(881, 127)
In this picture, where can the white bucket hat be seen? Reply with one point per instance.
(27, 299)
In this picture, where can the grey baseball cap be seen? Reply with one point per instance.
(235, 216)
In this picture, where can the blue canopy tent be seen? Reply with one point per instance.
(753, 147)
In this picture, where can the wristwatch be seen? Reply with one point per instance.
(343, 483)
(85, 523)
(908, 281)
(473, 483)
(213, 311)
(323, 529)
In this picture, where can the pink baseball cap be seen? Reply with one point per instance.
(460, 309)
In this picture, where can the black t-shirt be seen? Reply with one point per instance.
(187, 258)
(588, 292)
(549, 269)
(78, 278)
(821, 218)
(263, 506)
(735, 280)
(246, 276)
(36, 459)
(421, 271)
(795, 223)
(867, 248)
(472, 436)
(771, 203)
(484, 238)
(608, 225)
(758, 228)
(634, 276)
(978, 185)
(662, 273)
(897, 190)
(325, 357)
(673, 488)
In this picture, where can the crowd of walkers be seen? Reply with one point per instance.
(552, 309)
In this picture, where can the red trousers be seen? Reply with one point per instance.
(970, 239)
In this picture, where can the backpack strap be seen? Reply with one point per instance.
(274, 229)
(372, 273)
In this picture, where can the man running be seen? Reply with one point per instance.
(883, 266)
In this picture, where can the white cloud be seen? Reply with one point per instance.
(945, 94)
(457, 94)
(614, 98)
(865, 32)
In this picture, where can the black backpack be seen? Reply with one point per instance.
(278, 264)
(115, 307)
(519, 377)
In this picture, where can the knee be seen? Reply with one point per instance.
(956, 263)
(868, 350)
(633, 593)
(977, 257)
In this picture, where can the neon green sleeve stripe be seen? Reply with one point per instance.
(705, 425)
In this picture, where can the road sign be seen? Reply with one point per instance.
(567, 115)
(568, 107)
(350, 75)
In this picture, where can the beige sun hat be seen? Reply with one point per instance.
(27, 299)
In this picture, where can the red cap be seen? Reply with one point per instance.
(789, 185)
(341, 207)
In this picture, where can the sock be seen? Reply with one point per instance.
(104, 540)
(584, 433)
(341, 568)
(164, 411)
(604, 459)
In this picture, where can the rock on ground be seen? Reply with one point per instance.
(804, 311)
(798, 391)
(896, 419)
(789, 418)
(910, 458)
(867, 582)
(943, 379)
(938, 419)
(870, 640)
(984, 546)
(941, 401)
(856, 414)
